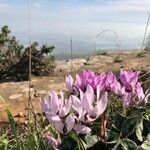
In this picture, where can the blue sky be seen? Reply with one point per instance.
(55, 21)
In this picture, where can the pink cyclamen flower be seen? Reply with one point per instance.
(132, 91)
(106, 81)
(86, 77)
(110, 83)
(87, 107)
(53, 142)
(73, 122)
(129, 79)
(56, 109)
(82, 80)
(70, 85)
(57, 112)
(135, 97)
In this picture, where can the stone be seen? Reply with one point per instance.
(20, 114)
(41, 92)
(15, 96)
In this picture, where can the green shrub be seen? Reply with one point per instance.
(10, 50)
(15, 59)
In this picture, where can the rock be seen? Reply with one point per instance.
(15, 96)
(20, 114)
(26, 90)
(41, 92)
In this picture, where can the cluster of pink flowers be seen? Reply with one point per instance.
(73, 113)
(127, 85)
(88, 100)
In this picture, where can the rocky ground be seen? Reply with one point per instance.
(15, 94)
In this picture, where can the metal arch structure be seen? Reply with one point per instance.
(115, 33)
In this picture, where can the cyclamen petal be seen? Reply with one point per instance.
(76, 103)
(45, 105)
(82, 129)
(91, 117)
(129, 78)
(58, 126)
(66, 108)
(139, 91)
(78, 82)
(90, 93)
(52, 141)
(55, 102)
(69, 82)
(117, 89)
(124, 77)
(77, 106)
(56, 118)
(88, 99)
(127, 99)
(102, 104)
(134, 78)
(61, 96)
(98, 92)
(70, 121)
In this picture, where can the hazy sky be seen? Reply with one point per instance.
(55, 21)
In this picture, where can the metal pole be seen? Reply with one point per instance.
(31, 111)
(94, 47)
(144, 37)
(71, 55)
(148, 19)
(30, 59)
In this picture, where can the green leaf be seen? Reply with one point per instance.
(81, 144)
(139, 130)
(67, 144)
(91, 140)
(1, 99)
(32, 142)
(125, 144)
(13, 128)
(147, 112)
(116, 146)
(113, 135)
(146, 143)
(129, 124)
(129, 144)
(118, 121)
(146, 126)
(3, 142)
(52, 130)
(73, 135)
